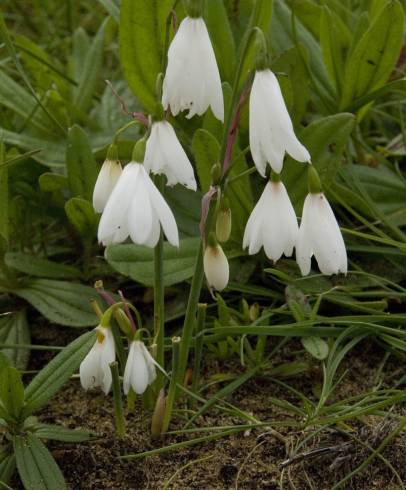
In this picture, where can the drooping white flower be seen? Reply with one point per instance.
(320, 235)
(95, 367)
(216, 267)
(137, 209)
(140, 368)
(165, 155)
(270, 127)
(272, 224)
(107, 179)
(192, 80)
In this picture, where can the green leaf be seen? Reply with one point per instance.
(11, 392)
(316, 346)
(21, 102)
(14, 330)
(64, 303)
(80, 164)
(81, 214)
(56, 373)
(36, 466)
(7, 468)
(19, 158)
(142, 39)
(326, 139)
(206, 151)
(335, 40)
(36, 266)
(374, 58)
(50, 182)
(221, 37)
(52, 151)
(4, 197)
(58, 433)
(298, 303)
(137, 262)
(111, 8)
(90, 71)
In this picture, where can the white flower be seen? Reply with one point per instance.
(216, 267)
(320, 235)
(95, 367)
(137, 209)
(192, 79)
(165, 155)
(105, 183)
(140, 368)
(272, 224)
(270, 128)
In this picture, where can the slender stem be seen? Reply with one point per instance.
(159, 298)
(170, 399)
(118, 402)
(201, 318)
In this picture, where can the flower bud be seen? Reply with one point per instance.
(158, 415)
(215, 264)
(107, 179)
(215, 173)
(223, 222)
(123, 322)
(254, 312)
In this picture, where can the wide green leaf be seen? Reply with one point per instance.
(11, 392)
(221, 37)
(137, 262)
(50, 182)
(142, 39)
(56, 373)
(65, 303)
(375, 55)
(90, 71)
(4, 196)
(7, 467)
(36, 466)
(80, 164)
(316, 346)
(81, 214)
(14, 331)
(36, 266)
(326, 139)
(206, 151)
(59, 433)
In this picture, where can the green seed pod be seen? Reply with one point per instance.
(123, 322)
(223, 225)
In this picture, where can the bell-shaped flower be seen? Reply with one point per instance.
(137, 209)
(320, 235)
(164, 155)
(272, 223)
(270, 127)
(140, 368)
(192, 80)
(216, 266)
(107, 179)
(95, 368)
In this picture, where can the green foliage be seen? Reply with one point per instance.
(35, 464)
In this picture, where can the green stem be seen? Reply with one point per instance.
(118, 402)
(170, 399)
(159, 298)
(201, 318)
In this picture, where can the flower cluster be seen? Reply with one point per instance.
(132, 205)
(95, 370)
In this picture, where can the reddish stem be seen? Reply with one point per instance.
(139, 116)
(127, 311)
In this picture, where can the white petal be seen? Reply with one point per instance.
(164, 154)
(216, 267)
(140, 215)
(162, 210)
(304, 247)
(139, 372)
(89, 368)
(150, 362)
(192, 79)
(113, 222)
(107, 179)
